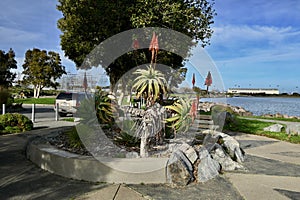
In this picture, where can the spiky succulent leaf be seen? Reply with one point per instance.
(181, 119)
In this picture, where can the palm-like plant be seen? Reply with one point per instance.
(100, 107)
(105, 107)
(86, 111)
(182, 119)
(151, 81)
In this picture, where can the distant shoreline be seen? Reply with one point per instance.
(254, 96)
(260, 105)
(267, 96)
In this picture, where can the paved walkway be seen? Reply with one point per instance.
(21, 179)
(273, 173)
(274, 169)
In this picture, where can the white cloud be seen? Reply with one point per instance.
(235, 34)
(265, 55)
(246, 43)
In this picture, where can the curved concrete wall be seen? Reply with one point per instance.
(111, 170)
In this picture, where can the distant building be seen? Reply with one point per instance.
(253, 91)
(74, 82)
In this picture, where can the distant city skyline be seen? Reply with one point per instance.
(255, 43)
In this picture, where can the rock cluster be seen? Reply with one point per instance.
(219, 152)
(278, 115)
(207, 106)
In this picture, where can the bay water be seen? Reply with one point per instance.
(262, 105)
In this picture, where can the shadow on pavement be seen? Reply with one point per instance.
(218, 188)
(289, 194)
(20, 179)
(40, 127)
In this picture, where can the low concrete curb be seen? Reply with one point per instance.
(110, 170)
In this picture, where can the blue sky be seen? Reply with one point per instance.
(255, 43)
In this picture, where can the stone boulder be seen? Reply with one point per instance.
(293, 129)
(278, 115)
(227, 164)
(208, 168)
(274, 128)
(231, 146)
(188, 151)
(219, 151)
(210, 140)
(179, 169)
(247, 114)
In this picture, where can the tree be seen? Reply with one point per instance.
(41, 69)
(85, 24)
(7, 62)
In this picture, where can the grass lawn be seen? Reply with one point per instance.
(279, 119)
(70, 119)
(36, 101)
(256, 127)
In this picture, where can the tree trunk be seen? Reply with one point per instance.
(36, 91)
(143, 147)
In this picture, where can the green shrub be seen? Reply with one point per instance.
(86, 112)
(126, 135)
(14, 123)
(221, 108)
(4, 96)
(105, 108)
(127, 140)
(181, 120)
(74, 139)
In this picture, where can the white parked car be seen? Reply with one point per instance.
(68, 102)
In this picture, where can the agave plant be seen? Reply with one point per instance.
(181, 118)
(105, 107)
(86, 111)
(150, 81)
(100, 107)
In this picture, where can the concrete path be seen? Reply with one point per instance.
(21, 179)
(273, 149)
(274, 169)
(273, 173)
(113, 192)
